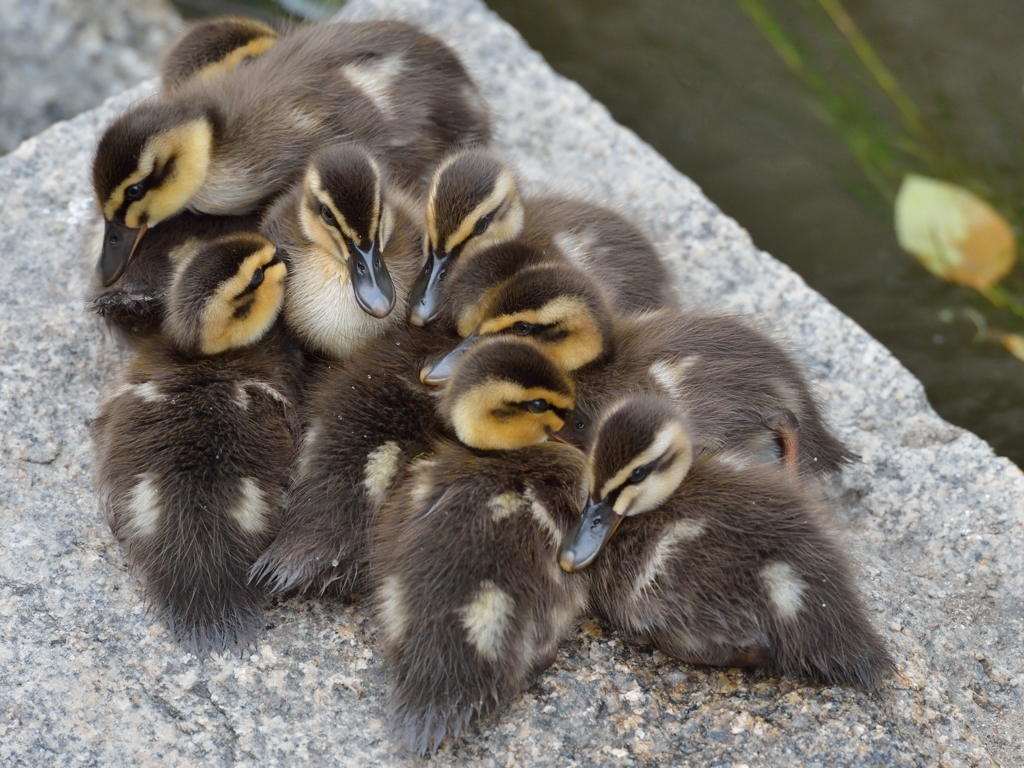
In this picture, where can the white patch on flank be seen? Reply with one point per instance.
(375, 79)
(505, 504)
(391, 600)
(487, 619)
(381, 468)
(674, 535)
(736, 460)
(148, 391)
(241, 397)
(670, 374)
(543, 518)
(144, 505)
(575, 246)
(251, 510)
(266, 389)
(423, 487)
(785, 588)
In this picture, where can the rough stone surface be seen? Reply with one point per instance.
(59, 57)
(933, 518)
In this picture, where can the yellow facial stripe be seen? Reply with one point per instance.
(190, 146)
(250, 50)
(671, 436)
(582, 344)
(478, 425)
(221, 330)
(315, 186)
(504, 187)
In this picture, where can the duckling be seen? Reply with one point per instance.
(211, 48)
(474, 203)
(741, 388)
(195, 445)
(716, 560)
(133, 308)
(470, 602)
(369, 419)
(352, 250)
(227, 144)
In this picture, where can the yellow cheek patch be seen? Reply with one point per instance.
(487, 417)
(582, 343)
(221, 329)
(504, 188)
(190, 146)
(657, 487)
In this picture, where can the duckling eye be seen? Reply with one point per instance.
(522, 329)
(482, 224)
(581, 424)
(537, 406)
(638, 474)
(325, 212)
(134, 192)
(257, 279)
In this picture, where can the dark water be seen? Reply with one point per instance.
(697, 81)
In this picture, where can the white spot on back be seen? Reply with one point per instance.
(266, 389)
(147, 391)
(487, 619)
(251, 510)
(381, 468)
(423, 488)
(391, 600)
(144, 505)
(675, 533)
(543, 518)
(576, 246)
(784, 587)
(241, 397)
(505, 504)
(375, 79)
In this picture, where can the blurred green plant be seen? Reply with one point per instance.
(959, 219)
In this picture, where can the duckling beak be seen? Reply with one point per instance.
(437, 373)
(371, 280)
(119, 244)
(571, 431)
(588, 536)
(426, 291)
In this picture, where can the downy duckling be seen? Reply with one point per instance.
(369, 419)
(352, 250)
(195, 445)
(474, 203)
(739, 386)
(715, 560)
(225, 145)
(133, 308)
(211, 48)
(471, 603)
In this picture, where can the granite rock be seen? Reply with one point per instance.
(59, 57)
(934, 520)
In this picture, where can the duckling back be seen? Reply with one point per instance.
(194, 456)
(213, 47)
(471, 603)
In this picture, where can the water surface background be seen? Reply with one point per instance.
(698, 81)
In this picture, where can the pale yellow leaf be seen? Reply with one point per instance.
(954, 233)
(1015, 343)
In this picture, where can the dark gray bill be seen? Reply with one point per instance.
(371, 281)
(426, 291)
(436, 373)
(588, 536)
(119, 244)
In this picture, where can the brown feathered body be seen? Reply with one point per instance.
(471, 602)
(211, 48)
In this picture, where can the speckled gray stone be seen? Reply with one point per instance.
(58, 57)
(933, 518)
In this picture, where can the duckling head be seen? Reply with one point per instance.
(555, 306)
(641, 453)
(473, 203)
(225, 295)
(344, 212)
(506, 394)
(150, 163)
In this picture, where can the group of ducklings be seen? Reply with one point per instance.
(363, 363)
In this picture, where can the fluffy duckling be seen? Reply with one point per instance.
(716, 561)
(370, 419)
(195, 445)
(133, 308)
(474, 203)
(471, 603)
(352, 250)
(226, 144)
(740, 387)
(211, 48)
